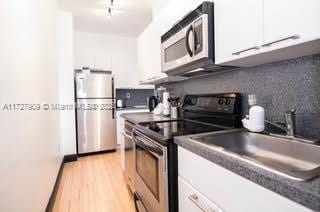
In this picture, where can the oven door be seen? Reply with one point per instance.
(151, 173)
(188, 45)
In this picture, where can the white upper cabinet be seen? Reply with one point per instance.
(174, 11)
(238, 29)
(289, 22)
(253, 32)
(149, 52)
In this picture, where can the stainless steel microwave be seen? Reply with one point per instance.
(188, 47)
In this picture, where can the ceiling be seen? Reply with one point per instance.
(128, 17)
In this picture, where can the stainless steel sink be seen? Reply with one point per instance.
(284, 156)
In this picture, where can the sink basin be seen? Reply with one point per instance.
(284, 156)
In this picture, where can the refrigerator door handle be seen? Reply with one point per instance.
(113, 104)
(81, 87)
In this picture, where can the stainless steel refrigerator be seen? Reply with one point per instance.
(96, 127)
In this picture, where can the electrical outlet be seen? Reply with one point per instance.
(60, 148)
(128, 95)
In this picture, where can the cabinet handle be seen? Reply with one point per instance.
(194, 198)
(245, 50)
(292, 37)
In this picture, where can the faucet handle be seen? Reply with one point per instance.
(292, 111)
(290, 116)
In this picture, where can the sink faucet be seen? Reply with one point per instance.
(290, 117)
(290, 129)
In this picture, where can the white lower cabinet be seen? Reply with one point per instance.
(120, 131)
(215, 188)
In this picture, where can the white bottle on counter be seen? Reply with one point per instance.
(255, 122)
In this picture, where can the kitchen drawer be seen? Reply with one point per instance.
(229, 190)
(191, 200)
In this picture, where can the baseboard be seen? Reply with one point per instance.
(53, 195)
(70, 158)
(66, 159)
(96, 153)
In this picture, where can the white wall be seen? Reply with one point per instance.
(30, 152)
(110, 52)
(66, 86)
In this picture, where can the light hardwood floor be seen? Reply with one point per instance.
(94, 184)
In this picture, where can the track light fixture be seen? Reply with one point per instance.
(109, 8)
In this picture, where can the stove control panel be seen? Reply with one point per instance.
(228, 103)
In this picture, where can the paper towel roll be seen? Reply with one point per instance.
(166, 105)
(166, 96)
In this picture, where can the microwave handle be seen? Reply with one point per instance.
(187, 41)
(195, 42)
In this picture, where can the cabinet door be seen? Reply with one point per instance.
(120, 131)
(149, 51)
(191, 200)
(238, 29)
(120, 137)
(289, 22)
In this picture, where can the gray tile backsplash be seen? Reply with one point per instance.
(137, 96)
(279, 87)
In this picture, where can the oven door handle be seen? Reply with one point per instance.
(136, 201)
(155, 151)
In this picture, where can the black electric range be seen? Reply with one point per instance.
(201, 114)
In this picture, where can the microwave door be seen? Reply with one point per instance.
(178, 49)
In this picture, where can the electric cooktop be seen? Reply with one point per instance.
(179, 128)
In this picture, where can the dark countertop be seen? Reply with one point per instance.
(305, 193)
(132, 108)
(137, 118)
